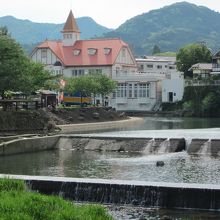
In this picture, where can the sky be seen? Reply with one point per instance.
(109, 13)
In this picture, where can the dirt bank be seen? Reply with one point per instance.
(45, 120)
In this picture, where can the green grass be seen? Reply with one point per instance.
(18, 204)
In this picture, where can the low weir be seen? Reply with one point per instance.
(148, 145)
(145, 194)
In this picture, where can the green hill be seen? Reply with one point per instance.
(28, 33)
(170, 28)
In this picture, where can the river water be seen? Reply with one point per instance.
(179, 167)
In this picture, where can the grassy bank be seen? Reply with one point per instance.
(18, 204)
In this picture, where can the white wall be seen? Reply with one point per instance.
(176, 86)
(50, 58)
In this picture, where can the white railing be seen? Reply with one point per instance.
(202, 82)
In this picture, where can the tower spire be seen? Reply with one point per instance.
(71, 25)
(71, 32)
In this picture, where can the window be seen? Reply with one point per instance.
(121, 90)
(92, 51)
(148, 90)
(135, 90)
(150, 66)
(107, 51)
(144, 90)
(159, 66)
(44, 53)
(141, 67)
(78, 72)
(76, 52)
(129, 90)
(95, 71)
(117, 70)
(172, 67)
(123, 52)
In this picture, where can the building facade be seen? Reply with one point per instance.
(139, 80)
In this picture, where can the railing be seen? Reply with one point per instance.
(202, 82)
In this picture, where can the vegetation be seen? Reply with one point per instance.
(18, 204)
(192, 54)
(90, 85)
(170, 27)
(156, 50)
(17, 71)
(202, 100)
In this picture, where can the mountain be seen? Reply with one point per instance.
(28, 32)
(171, 28)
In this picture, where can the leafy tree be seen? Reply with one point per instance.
(156, 49)
(106, 85)
(17, 71)
(3, 31)
(192, 54)
(89, 85)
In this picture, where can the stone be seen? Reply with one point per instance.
(160, 163)
(96, 115)
(81, 118)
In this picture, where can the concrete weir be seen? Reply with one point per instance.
(145, 194)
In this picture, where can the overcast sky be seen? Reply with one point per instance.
(109, 13)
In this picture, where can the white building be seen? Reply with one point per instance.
(137, 90)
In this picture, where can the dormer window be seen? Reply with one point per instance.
(107, 50)
(92, 51)
(76, 52)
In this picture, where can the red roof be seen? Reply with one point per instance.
(67, 57)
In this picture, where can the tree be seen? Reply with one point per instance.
(190, 55)
(156, 49)
(106, 85)
(17, 71)
(3, 31)
(90, 85)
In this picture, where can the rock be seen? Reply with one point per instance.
(122, 115)
(160, 164)
(81, 118)
(134, 202)
(95, 115)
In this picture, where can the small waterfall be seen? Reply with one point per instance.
(164, 195)
(205, 148)
(164, 147)
(149, 147)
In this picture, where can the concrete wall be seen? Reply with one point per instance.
(145, 194)
(24, 145)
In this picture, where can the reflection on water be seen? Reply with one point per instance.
(160, 123)
(179, 167)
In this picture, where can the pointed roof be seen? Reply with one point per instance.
(70, 25)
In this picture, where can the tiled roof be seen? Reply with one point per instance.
(67, 57)
(201, 66)
(70, 25)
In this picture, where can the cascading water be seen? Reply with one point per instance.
(205, 148)
(164, 147)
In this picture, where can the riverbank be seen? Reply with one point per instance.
(46, 121)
